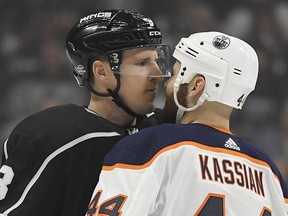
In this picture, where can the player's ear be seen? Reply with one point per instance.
(196, 87)
(103, 76)
(98, 68)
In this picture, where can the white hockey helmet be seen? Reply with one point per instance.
(229, 65)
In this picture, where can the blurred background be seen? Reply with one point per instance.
(36, 73)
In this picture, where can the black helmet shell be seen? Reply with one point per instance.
(106, 33)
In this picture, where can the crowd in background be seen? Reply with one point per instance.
(36, 74)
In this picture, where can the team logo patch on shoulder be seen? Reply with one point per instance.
(221, 42)
(230, 143)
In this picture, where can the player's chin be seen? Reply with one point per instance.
(151, 94)
(150, 97)
(146, 108)
(146, 104)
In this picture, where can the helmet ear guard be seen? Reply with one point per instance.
(229, 65)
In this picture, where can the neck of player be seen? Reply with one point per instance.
(210, 113)
(107, 109)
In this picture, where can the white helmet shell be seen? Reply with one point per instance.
(229, 65)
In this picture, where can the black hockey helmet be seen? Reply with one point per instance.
(106, 33)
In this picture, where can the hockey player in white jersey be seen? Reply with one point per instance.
(197, 167)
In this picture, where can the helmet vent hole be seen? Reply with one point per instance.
(202, 43)
(217, 85)
(184, 68)
(182, 73)
(237, 71)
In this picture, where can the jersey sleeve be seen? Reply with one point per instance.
(132, 180)
(26, 183)
(125, 192)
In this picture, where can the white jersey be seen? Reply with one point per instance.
(172, 170)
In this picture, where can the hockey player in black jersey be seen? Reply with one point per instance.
(52, 159)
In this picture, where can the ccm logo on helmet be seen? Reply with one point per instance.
(96, 15)
(154, 33)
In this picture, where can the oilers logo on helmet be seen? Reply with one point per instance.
(221, 42)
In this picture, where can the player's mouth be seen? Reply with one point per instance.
(152, 90)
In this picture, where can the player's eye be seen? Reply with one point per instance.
(142, 63)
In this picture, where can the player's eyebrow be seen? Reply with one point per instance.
(147, 59)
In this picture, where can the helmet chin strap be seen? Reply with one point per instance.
(120, 103)
(181, 109)
(116, 98)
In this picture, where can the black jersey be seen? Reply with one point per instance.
(53, 159)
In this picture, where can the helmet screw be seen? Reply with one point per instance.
(217, 85)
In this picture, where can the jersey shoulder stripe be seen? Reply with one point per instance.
(54, 154)
(53, 127)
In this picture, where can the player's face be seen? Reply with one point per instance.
(139, 78)
(170, 108)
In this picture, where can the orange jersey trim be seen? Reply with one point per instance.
(222, 130)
